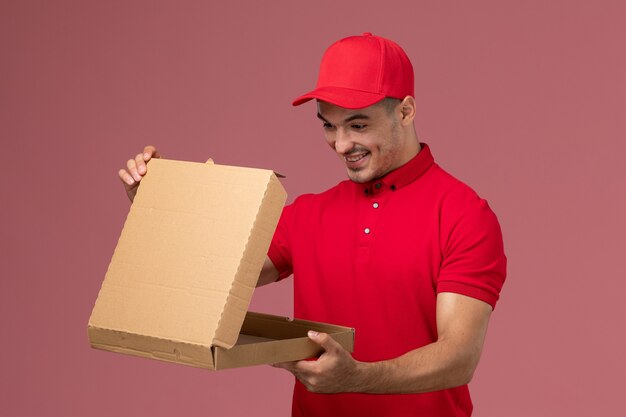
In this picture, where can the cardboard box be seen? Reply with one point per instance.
(185, 267)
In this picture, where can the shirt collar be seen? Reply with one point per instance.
(403, 175)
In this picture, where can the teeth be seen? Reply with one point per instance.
(355, 158)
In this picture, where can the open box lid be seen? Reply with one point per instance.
(190, 253)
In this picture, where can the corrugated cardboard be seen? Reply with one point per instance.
(183, 272)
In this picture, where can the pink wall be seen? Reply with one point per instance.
(523, 100)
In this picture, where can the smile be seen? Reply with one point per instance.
(356, 158)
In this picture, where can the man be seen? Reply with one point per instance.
(403, 252)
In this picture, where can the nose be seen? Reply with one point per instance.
(343, 144)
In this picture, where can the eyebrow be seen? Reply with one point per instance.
(357, 116)
(319, 116)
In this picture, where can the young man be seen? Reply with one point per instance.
(402, 251)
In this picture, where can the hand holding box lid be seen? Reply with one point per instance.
(136, 168)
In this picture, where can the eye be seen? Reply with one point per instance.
(358, 126)
(327, 126)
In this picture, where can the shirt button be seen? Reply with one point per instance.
(367, 230)
(378, 185)
(375, 205)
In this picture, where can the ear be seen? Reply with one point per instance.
(408, 109)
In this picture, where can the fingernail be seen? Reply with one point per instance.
(313, 333)
(142, 169)
(129, 181)
(146, 155)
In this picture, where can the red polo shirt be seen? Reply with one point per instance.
(374, 257)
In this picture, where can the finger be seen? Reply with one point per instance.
(132, 169)
(324, 340)
(150, 152)
(126, 178)
(295, 367)
(140, 164)
(290, 366)
(305, 368)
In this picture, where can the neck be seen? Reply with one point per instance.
(413, 146)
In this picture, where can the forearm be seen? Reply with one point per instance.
(436, 366)
(269, 273)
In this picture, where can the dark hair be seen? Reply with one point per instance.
(390, 103)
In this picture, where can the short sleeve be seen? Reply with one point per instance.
(474, 263)
(280, 247)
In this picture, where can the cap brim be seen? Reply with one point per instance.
(342, 97)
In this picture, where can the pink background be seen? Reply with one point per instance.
(523, 100)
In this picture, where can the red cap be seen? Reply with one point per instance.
(359, 71)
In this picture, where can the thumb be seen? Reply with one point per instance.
(324, 340)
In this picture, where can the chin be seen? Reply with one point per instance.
(359, 176)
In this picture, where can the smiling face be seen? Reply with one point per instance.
(371, 141)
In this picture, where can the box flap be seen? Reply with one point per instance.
(190, 253)
(151, 348)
